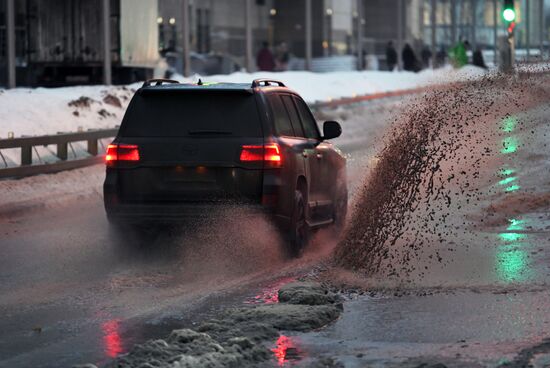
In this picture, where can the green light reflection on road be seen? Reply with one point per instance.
(509, 145)
(511, 265)
(511, 237)
(509, 123)
(506, 172)
(512, 188)
(507, 180)
(516, 224)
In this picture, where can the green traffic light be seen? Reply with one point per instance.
(509, 15)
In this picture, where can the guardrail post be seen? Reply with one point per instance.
(92, 147)
(26, 155)
(62, 150)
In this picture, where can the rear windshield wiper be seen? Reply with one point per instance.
(209, 132)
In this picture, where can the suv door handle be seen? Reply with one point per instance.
(319, 156)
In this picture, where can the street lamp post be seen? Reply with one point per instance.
(474, 24)
(541, 29)
(453, 22)
(10, 42)
(308, 35)
(495, 31)
(185, 34)
(248, 29)
(328, 48)
(527, 29)
(433, 22)
(359, 20)
(400, 27)
(106, 22)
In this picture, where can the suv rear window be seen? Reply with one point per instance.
(181, 114)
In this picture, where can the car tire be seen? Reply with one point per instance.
(299, 229)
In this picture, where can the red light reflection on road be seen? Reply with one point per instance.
(285, 350)
(111, 338)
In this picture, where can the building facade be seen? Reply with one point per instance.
(480, 22)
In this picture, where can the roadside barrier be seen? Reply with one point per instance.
(62, 141)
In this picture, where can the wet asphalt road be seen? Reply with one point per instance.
(72, 291)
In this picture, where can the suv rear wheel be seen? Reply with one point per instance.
(299, 231)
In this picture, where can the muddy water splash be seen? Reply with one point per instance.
(428, 169)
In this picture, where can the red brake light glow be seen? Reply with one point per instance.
(268, 153)
(121, 152)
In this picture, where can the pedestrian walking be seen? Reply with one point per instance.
(458, 55)
(391, 56)
(477, 59)
(440, 57)
(410, 62)
(282, 58)
(265, 60)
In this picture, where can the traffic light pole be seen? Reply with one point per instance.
(507, 43)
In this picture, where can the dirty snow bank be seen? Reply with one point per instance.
(41, 111)
(239, 337)
(326, 86)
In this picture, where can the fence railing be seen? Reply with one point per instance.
(62, 142)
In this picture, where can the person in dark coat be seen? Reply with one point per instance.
(440, 57)
(410, 63)
(477, 59)
(265, 60)
(391, 56)
(426, 56)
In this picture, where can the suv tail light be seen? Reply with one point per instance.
(269, 153)
(121, 152)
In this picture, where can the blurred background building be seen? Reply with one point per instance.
(63, 42)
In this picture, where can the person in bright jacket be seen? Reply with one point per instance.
(458, 55)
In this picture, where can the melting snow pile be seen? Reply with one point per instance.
(240, 337)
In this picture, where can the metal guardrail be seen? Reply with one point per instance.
(62, 141)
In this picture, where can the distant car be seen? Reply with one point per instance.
(184, 150)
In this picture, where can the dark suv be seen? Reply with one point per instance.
(184, 150)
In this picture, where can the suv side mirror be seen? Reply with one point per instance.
(331, 129)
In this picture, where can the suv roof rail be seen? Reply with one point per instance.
(266, 82)
(158, 82)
